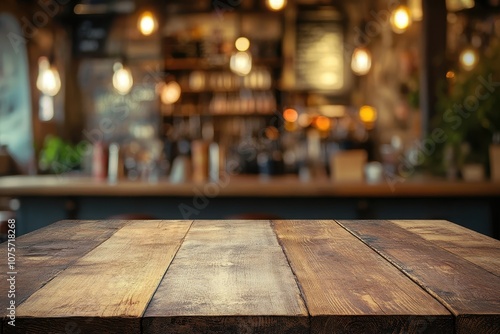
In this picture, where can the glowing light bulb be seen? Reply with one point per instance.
(48, 81)
(468, 59)
(147, 23)
(276, 4)
(122, 79)
(400, 19)
(242, 44)
(241, 63)
(361, 61)
(170, 93)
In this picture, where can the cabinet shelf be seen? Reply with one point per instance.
(229, 90)
(211, 92)
(226, 114)
(179, 64)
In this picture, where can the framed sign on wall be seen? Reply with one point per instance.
(319, 51)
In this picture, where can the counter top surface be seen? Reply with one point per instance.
(244, 186)
(257, 276)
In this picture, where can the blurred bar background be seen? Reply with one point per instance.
(395, 100)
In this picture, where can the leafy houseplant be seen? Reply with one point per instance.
(468, 111)
(57, 156)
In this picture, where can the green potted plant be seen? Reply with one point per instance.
(468, 111)
(58, 156)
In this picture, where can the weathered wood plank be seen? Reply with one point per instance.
(470, 292)
(43, 254)
(348, 288)
(112, 284)
(470, 245)
(228, 277)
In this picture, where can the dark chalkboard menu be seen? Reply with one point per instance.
(319, 51)
(90, 36)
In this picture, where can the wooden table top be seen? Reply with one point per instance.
(244, 186)
(253, 277)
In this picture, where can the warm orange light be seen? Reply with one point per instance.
(361, 61)
(48, 81)
(122, 79)
(276, 4)
(170, 92)
(290, 115)
(400, 19)
(367, 114)
(241, 63)
(147, 23)
(242, 44)
(322, 123)
(450, 74)
(468, 59)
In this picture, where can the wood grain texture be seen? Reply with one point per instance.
(470, 245)
(228, 277)
(41, 255)
(112, 284)
(470, 292)
(348, 288)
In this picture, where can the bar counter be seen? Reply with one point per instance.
(243, 186)
(45, 199)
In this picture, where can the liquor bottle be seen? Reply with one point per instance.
(99, 161)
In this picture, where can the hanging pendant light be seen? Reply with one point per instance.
(400, 19)
(170, 92)
(241, 60)
(147, 23)
(241, 63)
(361, 61)
(48, 81)
(276, 5)
(122, 79)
